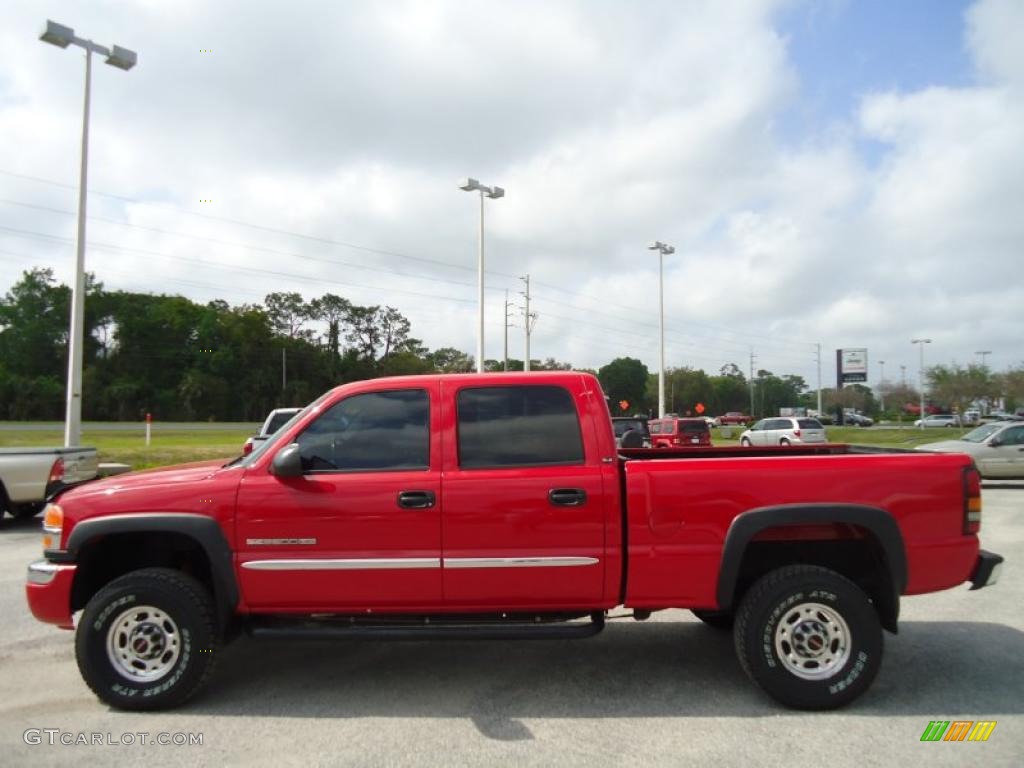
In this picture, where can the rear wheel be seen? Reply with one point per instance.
(809, 637)
(147, 640)
(784, 441)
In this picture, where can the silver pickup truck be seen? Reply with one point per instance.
(30, 476)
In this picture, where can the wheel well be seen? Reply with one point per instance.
(859, 558)
(105, 558)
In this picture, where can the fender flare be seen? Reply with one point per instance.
(205, 531)
(747, 525)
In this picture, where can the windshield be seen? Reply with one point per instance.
(265, 445)
(981, 433)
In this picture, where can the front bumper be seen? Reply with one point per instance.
(48, 590)
(986, 569)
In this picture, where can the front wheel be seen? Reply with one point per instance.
(745, 442)
(147, 640)
(809, 637)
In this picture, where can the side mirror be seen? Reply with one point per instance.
(287, 462)
(995, 442)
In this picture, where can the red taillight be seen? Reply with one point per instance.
(972, 500)
(56, 471)
(796, 433)
(247, 448)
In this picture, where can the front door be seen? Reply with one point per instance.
(524, 502)
(361, 528)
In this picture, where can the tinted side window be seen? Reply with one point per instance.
(517, 426)
(809, 424)
(694, 427)
(1014, 436)
(376, 430)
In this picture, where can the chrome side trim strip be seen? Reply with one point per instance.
(276, 542)
(518, 562)
(362, 564)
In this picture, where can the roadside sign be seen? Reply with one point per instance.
(699, 408)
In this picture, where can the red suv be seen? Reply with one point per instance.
(672, 432)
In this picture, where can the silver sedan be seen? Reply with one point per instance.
(997, 449)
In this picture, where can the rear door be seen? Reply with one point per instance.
(524, 498)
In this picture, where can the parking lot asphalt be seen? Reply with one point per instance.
(665, 692)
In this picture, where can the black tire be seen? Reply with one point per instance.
(716, 619)
(784, 441)
(25, 511)
(173, 617)
(745, 442)
(829, 616)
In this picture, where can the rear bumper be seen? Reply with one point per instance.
(986, 569)
(48, 590)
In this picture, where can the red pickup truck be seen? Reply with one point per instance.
(498, 506)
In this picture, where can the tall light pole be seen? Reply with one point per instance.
(920, 373)
(122, 58)
(881, 383)
(663, 250)
(472, 185)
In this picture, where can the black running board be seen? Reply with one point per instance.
(304, 629)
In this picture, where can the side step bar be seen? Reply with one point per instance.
(304, 629)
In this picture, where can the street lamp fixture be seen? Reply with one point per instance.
(472, 185)
(920, 374)
(122, 58)
(663, 251)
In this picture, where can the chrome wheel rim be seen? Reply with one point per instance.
(812, 641)
(143, 643)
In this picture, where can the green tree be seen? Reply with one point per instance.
(625, 379)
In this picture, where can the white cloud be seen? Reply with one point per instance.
(609, 126)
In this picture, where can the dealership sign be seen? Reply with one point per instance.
(851, 366)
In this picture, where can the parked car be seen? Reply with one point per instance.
(277, 419)
(30, 476)
(939, 420)
(733, 418)
(496, 506)
(784, 430)
(854, 419)
(638, 424)
(997, 448)
(675, 432)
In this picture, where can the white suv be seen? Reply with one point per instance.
(784, 431)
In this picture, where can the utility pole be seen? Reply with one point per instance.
(881, 384)
(528, 319)
(818, 352)
(903, 376)
(284, 368)
(506, 331)
(752, 358)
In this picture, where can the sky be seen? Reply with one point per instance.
(831, 174)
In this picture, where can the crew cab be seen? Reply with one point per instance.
(497, 506)
(29, 476)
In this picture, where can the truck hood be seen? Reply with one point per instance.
(206, 487)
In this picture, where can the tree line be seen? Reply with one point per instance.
(181, 360)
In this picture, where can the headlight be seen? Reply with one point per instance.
(53, 525)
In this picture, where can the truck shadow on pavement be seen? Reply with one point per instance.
(662, 669)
